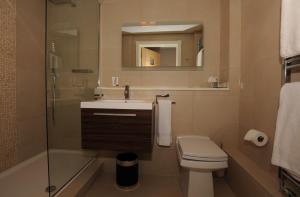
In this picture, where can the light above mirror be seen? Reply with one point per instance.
(157, 28)
(162, 46)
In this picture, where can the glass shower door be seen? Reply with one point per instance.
(72, 74)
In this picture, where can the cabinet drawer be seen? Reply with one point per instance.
(114, 116)
(109, 129)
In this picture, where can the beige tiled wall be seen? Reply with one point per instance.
(71, 88)
(224, 52)
(259, 97)
(115, 13)
(8, 131)
(22, 97)
(261, 74)
(210, 113)
(213, 114)
(85, 19)
(31, 105)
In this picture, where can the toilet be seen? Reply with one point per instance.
(198, 157)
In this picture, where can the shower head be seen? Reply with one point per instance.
(57, 2)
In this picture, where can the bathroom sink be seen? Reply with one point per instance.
(123, 101)
(118, 104)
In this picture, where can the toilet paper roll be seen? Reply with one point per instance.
(258, 138)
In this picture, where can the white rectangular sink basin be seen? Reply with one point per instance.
(118, 104)
(123, 101)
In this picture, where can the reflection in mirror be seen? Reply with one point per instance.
(162, 46)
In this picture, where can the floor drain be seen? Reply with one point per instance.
(51, 188)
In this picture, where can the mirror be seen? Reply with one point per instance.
(219, 27)
(162, 46)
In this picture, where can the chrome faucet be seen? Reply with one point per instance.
(126, 92)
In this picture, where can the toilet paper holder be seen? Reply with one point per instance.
(258, 138)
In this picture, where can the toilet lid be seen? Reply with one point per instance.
(201, 149)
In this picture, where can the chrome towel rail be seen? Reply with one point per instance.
(289, 65)
(164, 96)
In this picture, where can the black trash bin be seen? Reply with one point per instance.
(127, 170)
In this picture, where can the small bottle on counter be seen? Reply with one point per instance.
(98, 92)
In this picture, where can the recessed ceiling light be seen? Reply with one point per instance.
(143, 22)
(152, 23)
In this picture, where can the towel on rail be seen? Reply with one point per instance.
(290, 28)
(163, 120)
(287, 136)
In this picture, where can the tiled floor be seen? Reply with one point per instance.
(150, 186)
(222, 189)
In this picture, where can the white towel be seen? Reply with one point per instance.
(164, 128)
(290, 28)
(200, 58)
(287, 137)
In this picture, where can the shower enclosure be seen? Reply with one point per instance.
(72, 74)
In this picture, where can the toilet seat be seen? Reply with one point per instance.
(200, 152)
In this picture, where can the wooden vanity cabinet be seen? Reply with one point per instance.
(117, 129)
